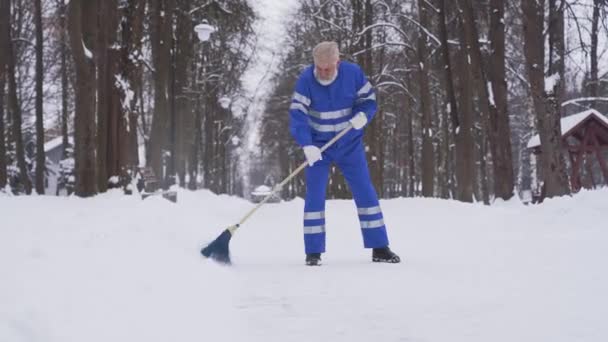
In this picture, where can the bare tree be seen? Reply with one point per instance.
(501, 132)
(110, 122)
(555, 174)
(14, 105)
(40, 155)
(3, 173)
(464, 134)
(451, 112)
(547, 113)
(132, 33)
(81, 30)
(593, 83)
(428, 163)
(63, 53)
(161, 30)
(4, 27)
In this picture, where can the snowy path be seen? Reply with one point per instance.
(118, 269)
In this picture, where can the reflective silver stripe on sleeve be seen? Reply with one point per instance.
(365, 89)
(298, 106)
(328, 128)
(314, 229)
(314, 215)
(372, 224)
(337, 114)
(363, 99)
(369, 211)
(301, 98)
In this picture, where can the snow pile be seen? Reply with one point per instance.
(116, 268)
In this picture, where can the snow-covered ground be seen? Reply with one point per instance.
(116, 268)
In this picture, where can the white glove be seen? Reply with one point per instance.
(359, 120)
(313, 154)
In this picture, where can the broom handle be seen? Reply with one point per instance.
(293, 174)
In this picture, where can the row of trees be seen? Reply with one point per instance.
(116, 75)
(461, 87)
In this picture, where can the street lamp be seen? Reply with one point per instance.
(204, 31)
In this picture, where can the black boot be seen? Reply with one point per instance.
(385, 254)
(313, 259)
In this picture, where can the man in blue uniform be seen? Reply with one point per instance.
(329, 96)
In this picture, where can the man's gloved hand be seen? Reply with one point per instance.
(359, 120)
(313, 154)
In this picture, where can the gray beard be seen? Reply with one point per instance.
(326, 82)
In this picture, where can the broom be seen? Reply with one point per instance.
(218, 249)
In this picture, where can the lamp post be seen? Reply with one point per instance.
(203, 32)
(171, 175)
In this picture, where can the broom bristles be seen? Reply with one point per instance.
(218, 249)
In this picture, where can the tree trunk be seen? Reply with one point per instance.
(64, 77)
(15, 108)
(483, 191)
(452, 104)
(486, 105)
(207, 148)
(412, 191)
(428, 154)
(195, 151)
(547, 110)
(465, 149)
(109, 117)
(81, 30)
(161, 36)
(103, 93)
(445, 54)
(593, 84)
(184, 120)
(363, 16)
(556, 170)
(40, 156)
(132, 33)
(3, 173)
(503, 162)
(4, 27)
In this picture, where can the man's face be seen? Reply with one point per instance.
(326, 69)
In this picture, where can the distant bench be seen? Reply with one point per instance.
(150, 185)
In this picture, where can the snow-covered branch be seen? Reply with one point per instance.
(398, 29)
(377, 46)
(584, 99)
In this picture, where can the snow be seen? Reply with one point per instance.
(87, 52)
(115, 268)
(550, 82)
(569, 122)
(124, 85)
(55, 142)
(490, 94)
(584, 99)
(262, 191)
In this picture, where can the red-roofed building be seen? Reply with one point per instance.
(584, 136)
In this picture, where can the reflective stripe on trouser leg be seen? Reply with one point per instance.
(372, 227)
(314, 207)
(356, 173)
